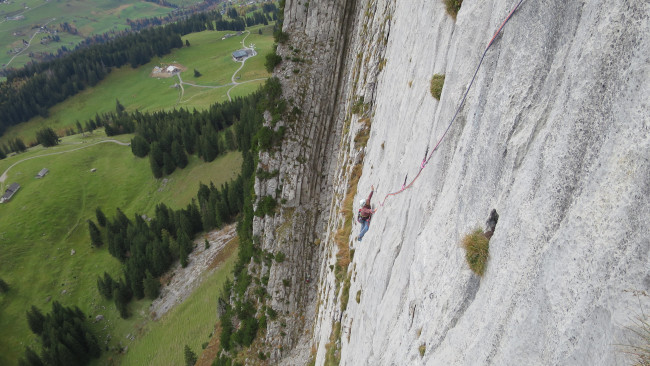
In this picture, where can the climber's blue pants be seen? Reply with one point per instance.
(365, 224)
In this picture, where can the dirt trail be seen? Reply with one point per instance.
(3, 177)
(243, 62)
(186, 280)
(233, 82)
(30, 41)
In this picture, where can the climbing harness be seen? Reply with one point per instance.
(427, 155)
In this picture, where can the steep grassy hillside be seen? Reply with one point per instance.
(46, 220)
(136, 89)
(191, 322)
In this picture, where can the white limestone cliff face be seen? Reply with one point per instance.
(554, 135)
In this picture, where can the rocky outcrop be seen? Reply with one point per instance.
(554, 135)
(302, 170)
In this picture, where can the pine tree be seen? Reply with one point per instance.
(139, 146)
(35, 320)
(194, 216)
(155, 168)
(31, 358)
(47, 137)
(106, 286)
(122, 295)
(190, 356)
(184, 248)
(231, 143)
(168, 163)
(178, 153)
(4, 287)
(184, 225)
(183, 256)
(19, 145)
(151, 286)
(119, 108)
(95, 234)
(207, 217)
(101, 218)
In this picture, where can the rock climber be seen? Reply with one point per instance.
(365, 214)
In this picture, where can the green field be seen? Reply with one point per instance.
(191, 323)
(88, 17)
(136, 89)
(46, 219)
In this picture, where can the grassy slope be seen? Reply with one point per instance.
(47, 218)
(89, 17)
(137, 90)
(191, 323)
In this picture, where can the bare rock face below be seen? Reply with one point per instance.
(183, 281)
(554, 135)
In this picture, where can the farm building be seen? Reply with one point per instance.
(239, 55)
(171, 69)
(42, 173)
(13, 188)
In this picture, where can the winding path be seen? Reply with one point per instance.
(30, 41)
(233, 82)
(232, 78)
(3, 177)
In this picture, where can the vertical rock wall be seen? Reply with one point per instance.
(302, 168)
(554, 135)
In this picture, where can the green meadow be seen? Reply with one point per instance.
(46, 220)
(191, 322)
(137, 89)
(88, 17)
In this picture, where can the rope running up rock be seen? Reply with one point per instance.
(428, 156)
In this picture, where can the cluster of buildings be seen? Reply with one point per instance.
(228, 35)
(171, 69)
(14, 187)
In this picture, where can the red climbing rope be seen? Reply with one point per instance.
(426, 159)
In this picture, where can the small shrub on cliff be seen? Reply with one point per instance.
(359, 107)
(437, 81)
(476, 251)
(280, 257)
(266, 206)
(453, 6)
(280, 36)
(272, 59)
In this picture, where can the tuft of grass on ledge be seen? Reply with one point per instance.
(476, 251)
(332, 352)
(437, 81)
(453, 7)
(638, 348)
(343, 234)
